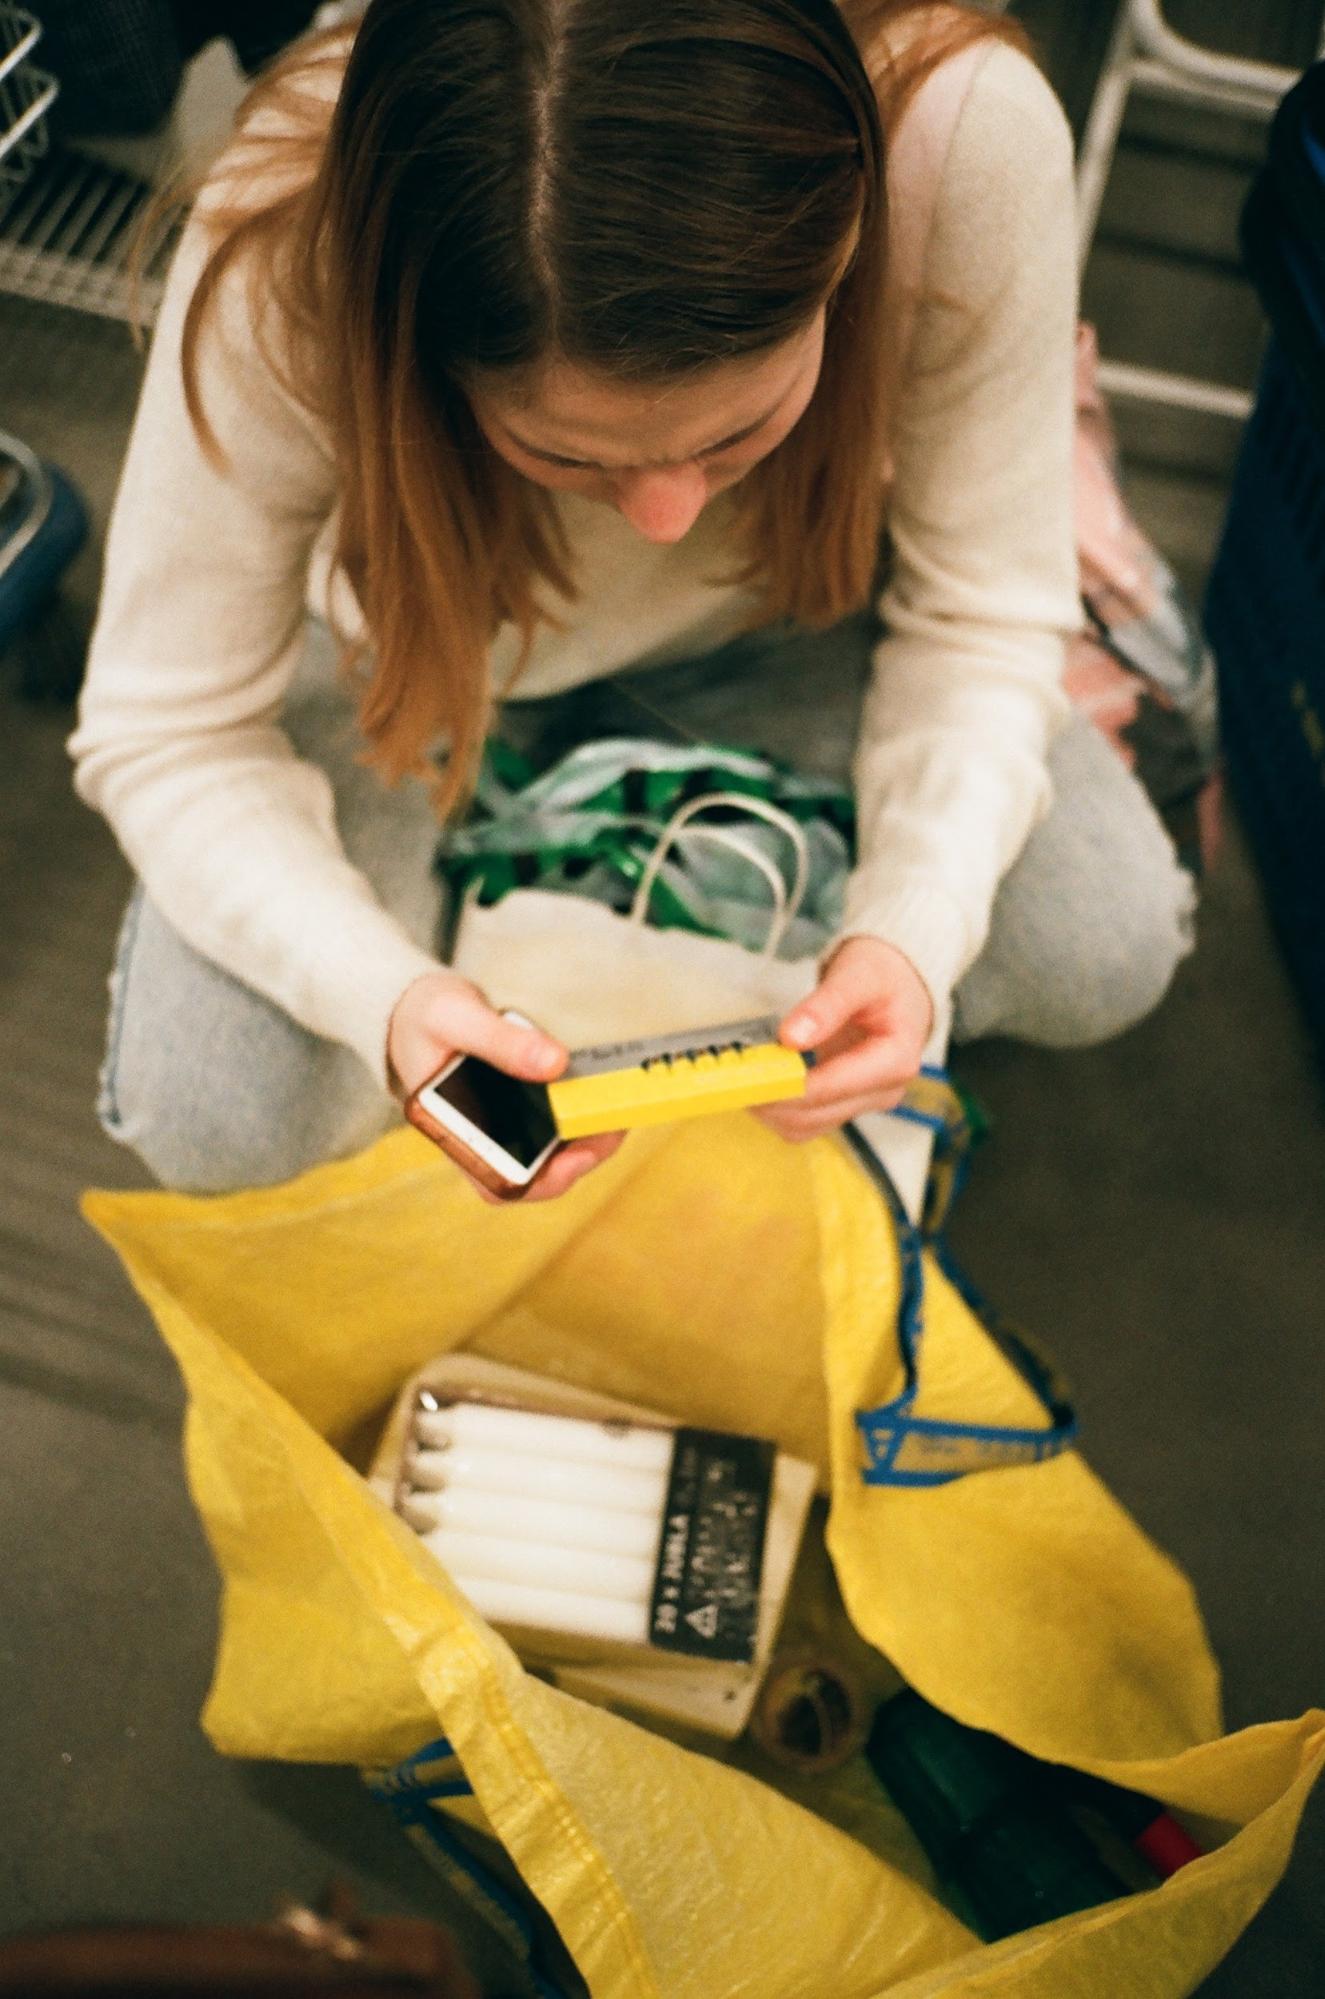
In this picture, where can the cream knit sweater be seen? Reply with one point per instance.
(208, 578)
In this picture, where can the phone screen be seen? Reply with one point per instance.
(515, 1115)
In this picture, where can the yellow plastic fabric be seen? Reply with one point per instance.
(727, 1278)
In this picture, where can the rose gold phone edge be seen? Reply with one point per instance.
(450, 1142)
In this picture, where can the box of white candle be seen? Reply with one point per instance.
(644, 1563)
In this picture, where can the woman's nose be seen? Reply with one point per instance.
(663, 504)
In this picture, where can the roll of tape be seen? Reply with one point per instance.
(810, 1714)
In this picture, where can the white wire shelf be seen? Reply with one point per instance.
(70, 225)
(26, 95)
(69, 235)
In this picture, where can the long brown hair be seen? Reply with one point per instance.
(642, 191)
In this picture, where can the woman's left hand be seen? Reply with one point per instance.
(867, 1020)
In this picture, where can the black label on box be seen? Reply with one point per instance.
(706, 1589)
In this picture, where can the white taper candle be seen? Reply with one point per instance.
(635, 1447)
(611, 1486)
(542, 1522)
(585, 1571)
(556, 1610)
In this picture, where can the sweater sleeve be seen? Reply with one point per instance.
(200, 626)
(966, 688)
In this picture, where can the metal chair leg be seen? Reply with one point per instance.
(1147, 55)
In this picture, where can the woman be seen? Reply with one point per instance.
(570, 357)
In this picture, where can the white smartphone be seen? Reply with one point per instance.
(497, 1127)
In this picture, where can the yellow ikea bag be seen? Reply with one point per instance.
(734, 1282)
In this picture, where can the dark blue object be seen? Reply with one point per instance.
(1265, 609)
(43, 524)
(413, 1791)
(994, 1823)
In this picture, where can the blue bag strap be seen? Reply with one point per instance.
(412, 1791)
(903, 1448)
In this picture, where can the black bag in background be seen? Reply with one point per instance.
(1265, 609)
(120, 62)
(257, 29)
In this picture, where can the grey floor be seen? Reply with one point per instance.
(1152, 1210)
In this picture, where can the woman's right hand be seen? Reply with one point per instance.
(441, 1015)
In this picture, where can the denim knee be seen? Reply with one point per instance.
(1094, 917)
(195, 1154)
(1160, 934)
(1104, 971)
(214, 1088)
(220, 1145)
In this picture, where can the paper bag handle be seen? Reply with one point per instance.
(785, 906)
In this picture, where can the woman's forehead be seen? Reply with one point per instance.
(565, 408)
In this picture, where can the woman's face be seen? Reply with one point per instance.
(656, 454)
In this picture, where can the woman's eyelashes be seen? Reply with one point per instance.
(711, 457)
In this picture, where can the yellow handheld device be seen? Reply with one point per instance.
(672, 1076)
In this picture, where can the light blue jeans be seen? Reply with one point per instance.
(216, 1088)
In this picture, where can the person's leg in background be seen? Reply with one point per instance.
(213, 1086)
(1090, 922)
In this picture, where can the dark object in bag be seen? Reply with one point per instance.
(990, 1818)
(1265, 610)
(300, 1953)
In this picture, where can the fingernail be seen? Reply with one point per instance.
(800, 1028)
